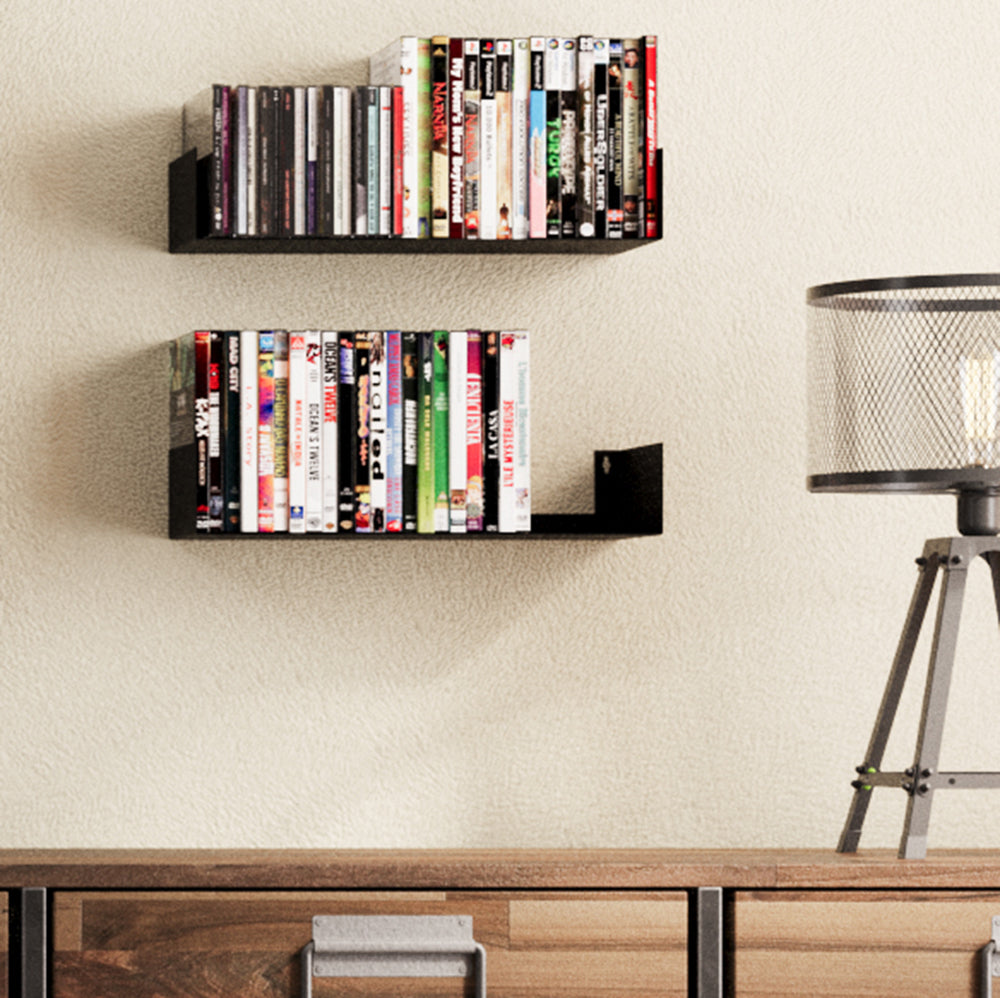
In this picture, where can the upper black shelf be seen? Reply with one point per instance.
(189, 228)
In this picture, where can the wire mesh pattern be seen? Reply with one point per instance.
(904, 384)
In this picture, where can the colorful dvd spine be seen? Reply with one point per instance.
(378, 425)
(504, 145)
(314, 433)
(240, 145)
(616, 136)
(410, 359)
(398, 149)
(423, 189)
(458, 472)
(507, 523)
(227, 162)
(442, 521)
(653, 208)
(537, 151)
(491, 430)
(520, 90)
(326, 160)
(297, 432)
(312, 178)
(487, 139)
(299, 152)
(249, 407)
(359, 160)
(216, 502)
(372, 178)
(280, 431)
(425, 434)
(470, 145)
(394, 434)
(347, 434)
(330, 343)
(252, 161)
(585, 194)
(286, 160)
(231, 434)
(362, 450)
(601, 138)
(522, 448)
(202, 418)
(474, 434)
(265, 433)
(553, 124)
(456, 138)
(386, 170)
(568, 137)
(632, 129)
(439, 137)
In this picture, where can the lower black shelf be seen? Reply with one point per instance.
(628, 502)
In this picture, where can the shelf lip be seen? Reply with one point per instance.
(185, 225)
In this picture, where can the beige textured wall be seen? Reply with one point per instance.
(713, 686)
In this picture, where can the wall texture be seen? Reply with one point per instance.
(713, 686)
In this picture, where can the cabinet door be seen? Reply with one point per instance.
(247, 945)
(865, 944)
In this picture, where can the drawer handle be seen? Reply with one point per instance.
(989, 957)
(393, 946)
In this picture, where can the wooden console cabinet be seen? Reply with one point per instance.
(554, 924)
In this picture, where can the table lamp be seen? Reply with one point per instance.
(904, 396)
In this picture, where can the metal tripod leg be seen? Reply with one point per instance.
(927, 572)
(913, 844)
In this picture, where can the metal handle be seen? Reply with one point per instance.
(989, 961)
(392, 946)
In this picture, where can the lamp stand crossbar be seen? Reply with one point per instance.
(951, 556)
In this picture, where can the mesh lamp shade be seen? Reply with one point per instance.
(904, 390)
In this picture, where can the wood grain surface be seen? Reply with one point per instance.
(912, 944)
(247, 944)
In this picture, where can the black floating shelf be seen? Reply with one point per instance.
(189, 229)
(628, 502)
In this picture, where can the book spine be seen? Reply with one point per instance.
(314, 433)
(508, 433)
(568, 138)
(378, 399)
(474, 433)
(553, 124)
(487, 139)
(313, 140)
(491, 430)
(297, 432)
(202, 420)
(456, 138)
(280, 431)
(231, 434)
(458, 472)
(470, 143)
(386, 169)
(265, 433)
(537, 149)
(601, 138)
(522, 433)
(505, 167)
(439, 137)
(410, 360)
(585, 222)
(632, 115)
(249, 400)
(347, 434)
(394, 433)
(616, 179)
(359, 161)
(252, 161)
(398, 150)
(227, 163)
(422, 191)
(216, 501)
(520, 90)
(372, 181)
(653, 208)
(330, 343)
(326, 160)
(286, 160)
(362, 451)
(441, 427)
(425, 433)
(299, 152)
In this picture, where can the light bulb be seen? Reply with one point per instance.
(980, 379)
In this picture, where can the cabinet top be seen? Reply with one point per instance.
(506, 869)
